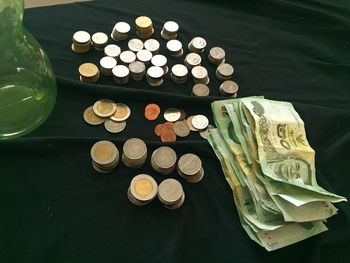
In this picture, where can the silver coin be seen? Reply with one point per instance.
(113, 126)
(174, 45)
(104, 107)
(164, 157)
(170, 191)
(200, 122)
(112, 51)
(204, 134)
(159, 60)
(135, 44)
(152, 45)
(155, 72)
(107, 64)
(134, 149)
(216, 54)
(122, 27)
(144, 56)
(197, 178)
(200, 90)
(224, 71)
(181, 128)
(171, 26)
(192, 60)
(91, 118)
(81, 37)
(179, 70)
(172, 115)
(99, 39)
(189, 123)
(120, 71)
(229, 88)
(190, 164)
(126, 57)
(199, 72)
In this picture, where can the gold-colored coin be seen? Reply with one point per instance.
(143, 187)
(104, 108)
(91, 118)
(143, 22)
(121, 113)
(104, 152)
(88, 70)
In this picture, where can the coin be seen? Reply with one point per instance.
(80, 48)
(172, 115)
(163, 160)
(189, 123)
(160, 61)
(170, 191)
(134, 149)
(137, 70)
(224, 71)
(89, 72)
(197, 45)
(204, 134)
(229, 88)
(181, 129)
(199, 72)
(104, 152)
(159, 129)
(152, 45)
(168, 136)
(178, 204)
(179, 73)
(155, 76)
(81, 37)
(135, 44)
(192, 60)
(169, 30)
(216, 55)
(112, 51)
(120, 31)
(121, 113)
(143, 187)
(104, 107)
(152, 111)
(190, 164)
(91, 118)
(144, 56)
(114, 126)
(197, 178)
(200, 90)
(174, 47)
(99, 40)
(106, 65)
(126, 57)
(200, 122)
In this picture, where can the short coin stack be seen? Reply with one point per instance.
(134, 153)
(143, 189)
(171, 193)
(105, 156)
(163, 160)
(190, 168)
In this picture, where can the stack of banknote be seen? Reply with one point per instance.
(270, 166)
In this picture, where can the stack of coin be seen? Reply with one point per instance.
(89, 73)
(144, 56)
(216, 56)
(106, 65)
(144, 27)
(81, 42)
(120, 74)
(154, 76)
(127, 57)
(181, 128)
(171, 193)
(120, 31)
(200, 75)
(160, 61)
(134, 153)
(152, 45)
(142, 190)
(105, 156)
(99, 41)
(135, 45)
(190, 168)
(166, 132)
(189, 123)
(152, 111)
(137, 70)
(224, 72)
(174, 48)
(197, 45)
(200, 122)
(163, 160)
(112, 51)
(179, 73)
(169, 30)
(192, 60)
(200, 90)
(229, 88)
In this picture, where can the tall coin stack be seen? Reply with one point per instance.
(134, 153)
(171, 194)
(81, 42)
(105, 156)
(190, 168)
(143, 189)
(163, 160)
(144, 27)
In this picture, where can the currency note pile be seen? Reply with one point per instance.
(270, 166)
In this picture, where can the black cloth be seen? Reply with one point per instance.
(56, 208)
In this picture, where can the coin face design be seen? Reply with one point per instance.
(190, 164)
(225, 69)
(172, 115)
(152, 111)
(199, 42)
(229, 87)
(91, 118)
(121, 113)
(200, 122)
(88, 70)
(135, 44)
(164, 157)
(127, 56)
(104, 152)
(217, 53)
(143, 22)
(144, 55)
(81, 37)
(152, 45)
(122, 27)
(112, 51)
(159, 60)
(189, 123)
(143, 187)
(135, 148)
(193, 59)
(179, 70)
(104, 107)
(113, 126)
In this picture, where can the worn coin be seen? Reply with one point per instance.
(229, 88)
(190, 164)
(172, 115)
(152, 111)
(88, 70)
(200, 90)
(170, 191)
(134, 149)
(224, 71)
(114, 126)
(144, 56)
(121, 113)
(200, 122)
(104, 107)
(192, 60)
(199, 72)
(164, 157)
(216, 55)
(104, 152)
(178, 204)
(152, 45)
(112, 51)
(91, 118)
(181, 128)
(127, 56)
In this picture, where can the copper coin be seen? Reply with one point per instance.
(152, 112)
(168, 136)
(169, 125)
(159, 129)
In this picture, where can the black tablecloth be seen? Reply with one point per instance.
(56, 208)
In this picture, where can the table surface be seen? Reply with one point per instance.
(56, 208)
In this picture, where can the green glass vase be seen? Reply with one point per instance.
(27, 82)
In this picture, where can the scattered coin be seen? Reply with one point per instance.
(190, 168)
(200, 122)
(159, 129)
(204, 134)
(152, 45)
(81, 42)
(200, 75)
(169, 30)
(181, 128)
(197, 45)
(152, 111)
(91, 118)
(112, 51)
(107, 64)
(189, 123)
(121, 113)
(174, 48)
(114, 126)
(104, 107)
(192, 60)
(183, 115)
(120, 31)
